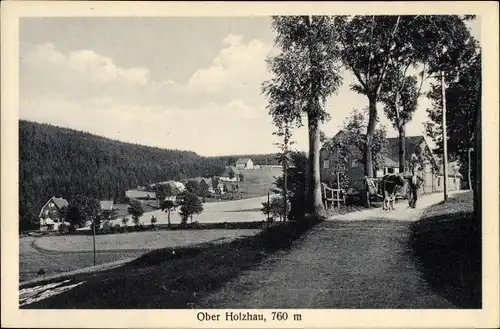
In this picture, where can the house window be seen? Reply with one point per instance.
(390, 170)
(439, 181)
(326, 164)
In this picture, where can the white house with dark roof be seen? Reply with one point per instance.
(244, 163)
(51, 215)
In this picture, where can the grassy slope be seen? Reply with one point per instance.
(447, 245)
(174, 278)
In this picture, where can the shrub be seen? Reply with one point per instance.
(63, 229)
(117, 228)
(107, 227)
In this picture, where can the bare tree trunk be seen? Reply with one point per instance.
(309, 171)
(318, 209)
(372, 122)
(402, 148)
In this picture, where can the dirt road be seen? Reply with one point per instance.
(357, 260)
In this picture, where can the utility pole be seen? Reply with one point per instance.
(445, 140)
(469, 168)
(285, 191)
(268, 209)
(93, 235)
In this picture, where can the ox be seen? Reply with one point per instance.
(389, 185)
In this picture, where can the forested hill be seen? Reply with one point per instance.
(56, 161)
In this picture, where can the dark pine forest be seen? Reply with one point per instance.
(66, 163)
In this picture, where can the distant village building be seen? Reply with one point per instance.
(106, 205)
(230, 174)
(430, 170)
(51, 214)
(244, 163)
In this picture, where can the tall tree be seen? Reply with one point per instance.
(368, 42)
(295, 185)
(88, 207)
(168, 206)
(136, 210)
(350, 144)
(451, 50)
(284, 131)
(190, 205)
(400, 98)
(193, 186)
(74, 218)
(305, 73)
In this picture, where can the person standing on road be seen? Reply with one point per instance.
(415, 183)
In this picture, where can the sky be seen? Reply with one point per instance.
(179, 83)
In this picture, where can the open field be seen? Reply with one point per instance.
(140, 241)
(58, 254)
(65, 253)
(164, 279)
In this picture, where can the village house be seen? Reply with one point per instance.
(244, 163)
(429, 169)
(230, 174)
(52, 214)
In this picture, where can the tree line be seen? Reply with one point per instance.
(75, 165)
(390, 57)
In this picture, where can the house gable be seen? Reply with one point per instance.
(58, 203)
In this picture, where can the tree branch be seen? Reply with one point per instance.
(356, 73)
(386, 60)
(367, 74)
(421, 81)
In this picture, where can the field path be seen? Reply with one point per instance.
(357, 260)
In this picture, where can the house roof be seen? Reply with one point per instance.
(121, 209)
(388, 162)
(242, 160)
(60, 202)
(411, 143)
(106, 205)
(231, 168)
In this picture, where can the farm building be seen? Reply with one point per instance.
(120, 210)
(106, 205)
(244, 163)
(417, 152)
(230, 174)
(51, 214)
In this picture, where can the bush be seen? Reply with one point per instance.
(107, 227)
(63, 229)
(117, 228)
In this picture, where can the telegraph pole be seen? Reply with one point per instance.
(445, 141)
(285, 192)
(93, 235)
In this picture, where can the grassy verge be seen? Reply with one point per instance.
(174, 278)
(447, 245)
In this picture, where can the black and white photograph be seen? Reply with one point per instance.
(247, 168)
